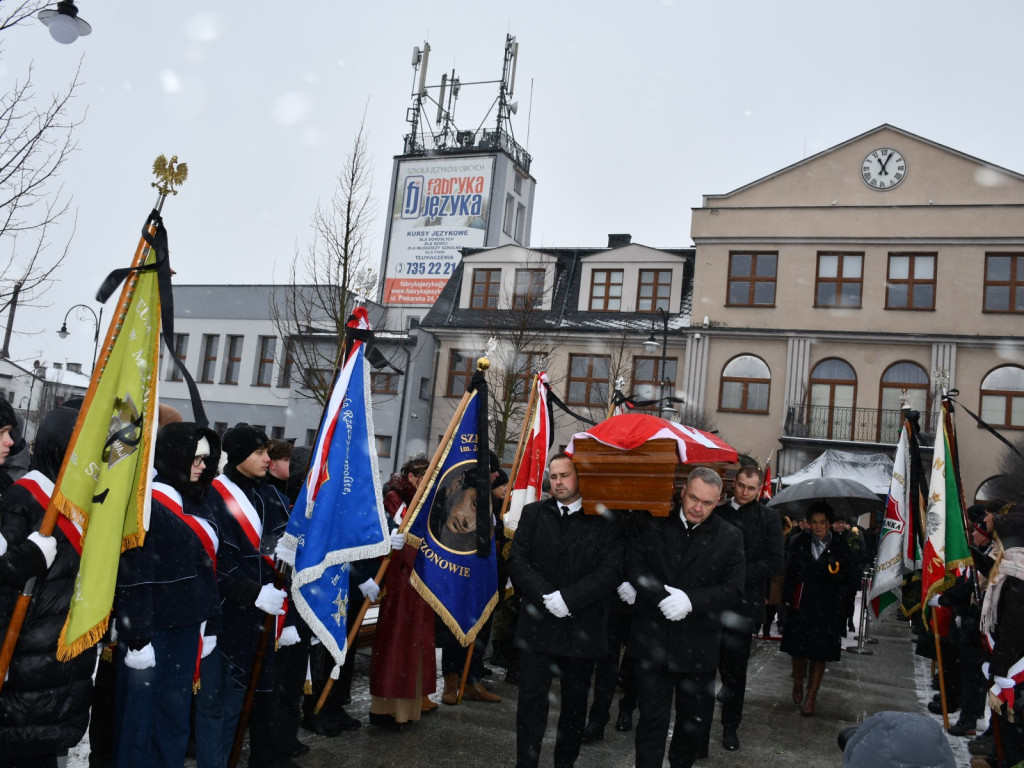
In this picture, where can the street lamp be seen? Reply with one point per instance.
(651, 345)
(64, 23)
(63, 332)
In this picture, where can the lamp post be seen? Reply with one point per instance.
(651, 345)
(63, 332)
(64, 23)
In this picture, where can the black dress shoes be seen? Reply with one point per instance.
(729, 738)
(624, 721)
(346, 721)
(387, 722)
(593, 732)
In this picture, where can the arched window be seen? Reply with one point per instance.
(1002, 397)
(900, 380)
(833, 394)
(990, 489)
(746, 385)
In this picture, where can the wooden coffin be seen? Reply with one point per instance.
(640, 478)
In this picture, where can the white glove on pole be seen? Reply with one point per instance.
(271, 600)
(933, 601)
(144, 658)
(556, 605)
(285, 553)
(677, 605)
(370, 589)
(209, 643)
(397, 540)
(289, 636)
(626, 593)
(47, 545)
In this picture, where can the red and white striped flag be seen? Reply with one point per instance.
(526, 485)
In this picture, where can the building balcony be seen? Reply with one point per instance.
(852, 425)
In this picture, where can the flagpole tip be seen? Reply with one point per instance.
(169, 174)
(482, 364)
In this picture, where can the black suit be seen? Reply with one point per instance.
(679, 657)
(762, 546)
(583, 560)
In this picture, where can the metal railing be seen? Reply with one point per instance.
(860, 425)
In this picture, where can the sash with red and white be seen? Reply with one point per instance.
(207, 535)
(41, 488)
(248, 520)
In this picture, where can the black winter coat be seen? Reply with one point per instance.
(815, 593)
(584, 564)
(44, 705)
(762, 547)
(707, 564)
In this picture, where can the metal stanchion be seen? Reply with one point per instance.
(862, 638)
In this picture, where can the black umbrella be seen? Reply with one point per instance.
(847, 497)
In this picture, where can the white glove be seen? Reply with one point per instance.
(370, 589)
(285, 553)
(3, 546)
(984, 670)
(397, 540)
(47, 545)
(209, 643)
(626, 593)
(289, 636)
(144, 658)
(933, 601)
(556, 605)
(271, 600)
(677, 605)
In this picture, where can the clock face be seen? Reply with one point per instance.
(883, 169)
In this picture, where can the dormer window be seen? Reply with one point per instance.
(529, 290)
(486, 289)
(606, 290)
(654, 290)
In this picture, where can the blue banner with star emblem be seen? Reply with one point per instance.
(339, 514)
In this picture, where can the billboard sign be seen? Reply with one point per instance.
(441, 205)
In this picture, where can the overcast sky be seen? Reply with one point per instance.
(632, 112)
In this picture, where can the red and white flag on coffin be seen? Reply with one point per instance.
(526, 485)
(631, 430)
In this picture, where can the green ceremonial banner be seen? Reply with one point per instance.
(103, 485)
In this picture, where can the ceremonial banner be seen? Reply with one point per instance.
(339, 514)
(103, 486)
(526, 485)
(945, 548)
(452, 572)
(890, 563)
(766, 486)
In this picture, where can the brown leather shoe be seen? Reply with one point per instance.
(477, 692)
(450, 696)
(428, 706)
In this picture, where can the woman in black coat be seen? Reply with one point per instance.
(820, 572)
(44, 705)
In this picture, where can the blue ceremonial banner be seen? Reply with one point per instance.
(459, 584)
(339, 514)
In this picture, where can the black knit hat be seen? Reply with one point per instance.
(7, 416)
(241, 440)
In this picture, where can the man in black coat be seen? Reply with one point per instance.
(564, 565)
(762, 548)
(687, 569)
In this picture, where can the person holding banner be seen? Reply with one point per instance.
(166, 598)
(44, 705)
(250, 520)
(566, 565)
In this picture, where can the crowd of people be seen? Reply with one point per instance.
(204, 637)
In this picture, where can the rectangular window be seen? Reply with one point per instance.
(529, 290)
(649, 383)
(510, 212)
(1004, 282)
(486, 288)
(654, 290)
(520, 222)
(384, 446)
(265, 366)
(208, 374)
(839, 280)
(180, 350)
(518, 380)
(588, 380)
(752, 279)
(234, 362)
(288, 366)
(425, 388)
(277, 433)
(911, 281)
(461, 367)
(384, 383)
(606, 290)
(517, 184)
(220, 427)
(310, 437)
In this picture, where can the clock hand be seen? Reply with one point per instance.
(882, 171)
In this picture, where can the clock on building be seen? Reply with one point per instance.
(883, 169)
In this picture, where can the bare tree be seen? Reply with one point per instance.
(36, 140)
(330, 278)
